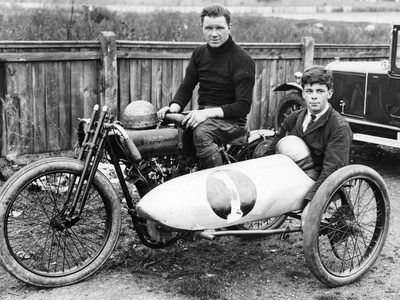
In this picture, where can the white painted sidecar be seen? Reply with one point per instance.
(228, 195)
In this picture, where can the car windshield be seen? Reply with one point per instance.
(348, 96)
(398, 51)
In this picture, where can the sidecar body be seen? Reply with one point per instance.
(228, 195)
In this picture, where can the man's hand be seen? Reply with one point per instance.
(196, 117)
(174, 108)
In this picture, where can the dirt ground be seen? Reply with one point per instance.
(230, 268)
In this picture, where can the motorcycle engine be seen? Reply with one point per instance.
(167, 151)
(154, 171)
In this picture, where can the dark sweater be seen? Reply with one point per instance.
(226, 75)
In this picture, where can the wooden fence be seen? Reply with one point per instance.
(46, 86)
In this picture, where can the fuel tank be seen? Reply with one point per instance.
(228, 195)
(161, 141)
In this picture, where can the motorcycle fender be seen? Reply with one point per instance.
(228, 195)
(255, 134)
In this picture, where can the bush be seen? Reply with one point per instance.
(86, 22)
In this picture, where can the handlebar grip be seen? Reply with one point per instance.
(174, 118)
(132, 151)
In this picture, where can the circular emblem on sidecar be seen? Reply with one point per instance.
(231, 194)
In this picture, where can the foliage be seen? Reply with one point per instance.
(85, 23)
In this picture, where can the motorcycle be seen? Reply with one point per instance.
(60, 217)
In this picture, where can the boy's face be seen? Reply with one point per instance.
(316, 97)
(215, 31)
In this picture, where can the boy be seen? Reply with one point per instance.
(326, 133)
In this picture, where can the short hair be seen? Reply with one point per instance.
(317, 74)
(216, 10)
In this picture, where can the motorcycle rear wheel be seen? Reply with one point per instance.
(40, 248)
(342, 238)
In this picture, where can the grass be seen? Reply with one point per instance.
(204, 269)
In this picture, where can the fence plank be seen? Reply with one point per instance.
(25, 107)
(91, 89)
(146, 80)
(272, 101)
(65, 123)
(77, 99)
(134, 77)
(12, 110)
(49, 56)
(177, 75)
(166, 83)
(254, 117)
(264, 107)
(39, 107)
(157, 82)
(52, 109)
(124, 85)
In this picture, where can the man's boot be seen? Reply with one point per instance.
(210, 161)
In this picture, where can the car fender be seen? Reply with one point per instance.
(289, 86)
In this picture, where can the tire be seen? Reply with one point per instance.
(343, 237)
(37, 249)
(288, 104)
(264, 224)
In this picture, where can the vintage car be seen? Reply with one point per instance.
(367, 94)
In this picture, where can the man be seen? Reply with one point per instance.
(226, 76)
(326, 133)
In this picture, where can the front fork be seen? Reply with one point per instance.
(91, 154)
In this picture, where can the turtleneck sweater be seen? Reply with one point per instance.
(226, 78)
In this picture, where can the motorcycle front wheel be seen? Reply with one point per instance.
(38, 244)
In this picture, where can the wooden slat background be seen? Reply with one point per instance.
(46, 86)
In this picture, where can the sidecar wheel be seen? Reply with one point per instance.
(346, 225)
(264, 224)
(42, 249)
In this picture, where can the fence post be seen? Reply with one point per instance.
(307, 52)
(108, 72)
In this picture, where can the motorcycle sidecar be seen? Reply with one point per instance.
(345, 226)
(228, 195)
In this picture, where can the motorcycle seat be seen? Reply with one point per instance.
(240, 140)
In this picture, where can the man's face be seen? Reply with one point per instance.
(215, 31)
(316, 97)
